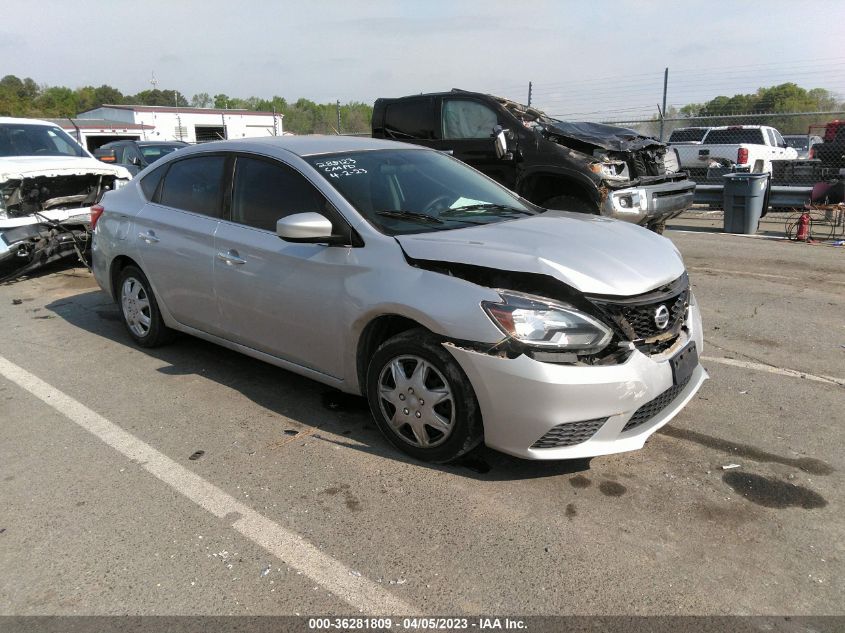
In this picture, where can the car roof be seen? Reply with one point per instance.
(306, 145)
(127, 141)
(16, 120)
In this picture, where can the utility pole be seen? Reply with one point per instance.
(663, 112)
(338, 116)
(178, 118)
(529, 94)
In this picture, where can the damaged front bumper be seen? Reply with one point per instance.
(539, 410)
(649, 203)
(28, 242)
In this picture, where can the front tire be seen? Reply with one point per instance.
(421, 399)
(139, 309)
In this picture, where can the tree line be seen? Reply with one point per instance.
(25, 98)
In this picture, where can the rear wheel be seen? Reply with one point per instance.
(421, 399)
(139, 309)
(571, 203)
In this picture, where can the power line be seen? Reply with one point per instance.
(702, 78)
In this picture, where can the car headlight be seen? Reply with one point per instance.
(610, 169)
(541, 323)
(119, 183)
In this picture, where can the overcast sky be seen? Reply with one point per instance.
(590, 59)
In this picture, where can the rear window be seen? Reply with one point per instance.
(798, 142)
(688, 135)
(153, 152)
(410, 118)
(735, 136)
(149, 183)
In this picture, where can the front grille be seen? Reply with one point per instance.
(569, 434)
(641, 317)
(653, 407)
(634, 317)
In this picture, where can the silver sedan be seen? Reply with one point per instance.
(461, 311)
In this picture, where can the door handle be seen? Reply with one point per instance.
(149, 237)
(231, 257)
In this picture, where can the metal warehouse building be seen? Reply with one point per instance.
(192, 125)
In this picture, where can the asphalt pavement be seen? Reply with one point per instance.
(193, 480)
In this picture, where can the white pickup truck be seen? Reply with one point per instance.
(48, 183)
(747, 146)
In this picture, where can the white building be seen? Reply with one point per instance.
(92, 133)
(192, 125)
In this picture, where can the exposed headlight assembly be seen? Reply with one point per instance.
(611, 169)
(120, 183)
(541, 323)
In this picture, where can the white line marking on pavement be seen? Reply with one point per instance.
(359, 592)
(721, 233)
(741, 272)
(774, 370)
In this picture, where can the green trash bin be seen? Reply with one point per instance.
(743, 200)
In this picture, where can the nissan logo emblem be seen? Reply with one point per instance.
(661, 317)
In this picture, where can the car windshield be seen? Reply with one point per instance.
(153, 152)
(415, 191)
(25, 139)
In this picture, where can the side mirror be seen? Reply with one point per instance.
(500, 141)
(310, 228)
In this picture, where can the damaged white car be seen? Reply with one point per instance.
(462, 311)
(48, 183)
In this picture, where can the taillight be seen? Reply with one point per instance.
(96, 212)
(742, 156)
(812, 153)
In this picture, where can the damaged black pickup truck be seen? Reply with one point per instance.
(48, 183)
(583, 167)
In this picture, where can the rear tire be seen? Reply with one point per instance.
(571, 203)
(139, 309)
(421, 399)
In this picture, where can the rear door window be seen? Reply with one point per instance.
(195, 184)
(265, 191)
(411, 118)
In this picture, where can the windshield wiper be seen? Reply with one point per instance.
(410, 215)
(488, 205)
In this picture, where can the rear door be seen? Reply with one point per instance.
(274, 296)
(175, 237)
(466, 129)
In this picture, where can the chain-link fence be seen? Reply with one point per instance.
(799, 150)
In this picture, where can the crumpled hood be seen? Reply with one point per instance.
(609, 137)
(592, 254)
(17, 167)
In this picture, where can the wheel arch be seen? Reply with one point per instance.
(378, 330)
(539, 186)
(117, 265)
